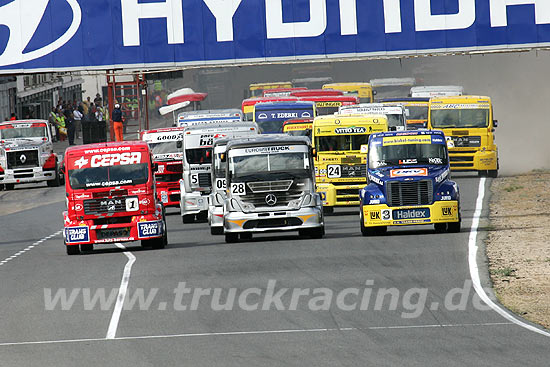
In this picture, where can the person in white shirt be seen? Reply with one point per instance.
(78, 113)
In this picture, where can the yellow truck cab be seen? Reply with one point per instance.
(341, 146)
(468, 124)
(361, 90)
(257, 89)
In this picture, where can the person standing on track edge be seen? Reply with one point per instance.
(116, 117)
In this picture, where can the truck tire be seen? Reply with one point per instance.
(1, 187)
(56, 182)
(246, 236)
(493, 173)
(371, 231)
(231, 237)
(73, 249)
(189, 218)
(216, 231)
(454, 227)
(440, 227)
(328, 210)
(162, 242)
(202, 216)
(314, 233)
(87, 248)
(10, 187)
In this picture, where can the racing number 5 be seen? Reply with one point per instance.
(194, 179)
(238, 188)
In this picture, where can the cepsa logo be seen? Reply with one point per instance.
(106, 160)
(23, 18)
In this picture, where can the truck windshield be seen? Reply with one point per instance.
(271, 121)
(293, 164)
(23, 132)
(407, 154)
(459, 118)
(219, 165)
(159, 149)
(417, 112)
(199, 156)
(304, 132)
(85, 178)
(337, 143)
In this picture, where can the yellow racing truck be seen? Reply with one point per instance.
(341, 145)
(468, 124)
(361, 90)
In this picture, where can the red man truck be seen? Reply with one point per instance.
(111, 197)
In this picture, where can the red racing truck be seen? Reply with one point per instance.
(111, 197)
(166, 147)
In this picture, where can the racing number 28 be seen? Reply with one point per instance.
(238, 188)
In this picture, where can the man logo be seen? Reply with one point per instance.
(271, 199)
(22, 32)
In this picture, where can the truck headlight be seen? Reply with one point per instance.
(234, 206)
(309, 200)
(295, 204)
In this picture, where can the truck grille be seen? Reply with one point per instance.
(283, 198)
(205, 180)
(105, 206)
(23, 158)
(269, 186)
(409, 193)
(168, 178)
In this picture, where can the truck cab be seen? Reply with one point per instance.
(416, 110)
(26, 154)
(395, 113)
(270, 116)
(361, 90)
(271, 187)
(298, 127)
(341, 143)
(196, 184)
(166, 148)
(192, 118)
(409, 183)
(111, 197)
(430, 91)
(467, 122)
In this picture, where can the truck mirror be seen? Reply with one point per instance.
(314, 152)
(495, 123)
(364, 148)
(155, 167)
(222, 157)
(179, 144)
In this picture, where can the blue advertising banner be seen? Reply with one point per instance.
(46, 35)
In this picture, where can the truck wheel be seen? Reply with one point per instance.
(231, 237)
(189, 218)
(453, 227)
(482, 173)
(202, 216)
(87, 248)
(162, 242)
(317, 233)
(216, 231)
(72, 249)
(56, 182)
(10, 187)
(493, 173)
(440, 227)
(246, 236)
(328, 210)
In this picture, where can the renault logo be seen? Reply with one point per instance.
(271, 199)
(23, 158)
(21, 33)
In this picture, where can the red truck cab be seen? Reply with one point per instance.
(167, 152)
(111, 197)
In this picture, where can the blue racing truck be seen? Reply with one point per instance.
(409, 183)
(270, 116)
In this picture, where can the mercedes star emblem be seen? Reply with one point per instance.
(271, 199)
(23, 158)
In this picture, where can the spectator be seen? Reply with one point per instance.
(86, 105)
(70, 125)
(60, 119)
(98, 99)
(13, 117)
(117, 119)
(78, 113)
(52, 119)
(91, 112)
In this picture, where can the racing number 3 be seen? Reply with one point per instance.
(238, 188)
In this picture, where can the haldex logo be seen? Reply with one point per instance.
(23, 18)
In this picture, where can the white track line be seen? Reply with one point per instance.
(256, 332)
(474, 269)
(30, 247)
(113, 325)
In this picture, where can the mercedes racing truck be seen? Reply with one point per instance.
(111, 197)
(26, 154)
(409, 183)
(166, 147)
(271, 187)
(196, 184)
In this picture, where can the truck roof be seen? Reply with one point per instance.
(317, 93)
(348, 84)
(255, 100)
(347, 119)
(461, 99)
(163, 130)
(435, 90)
(227, 112)
(408, 133)
(389, 82)
(405, 99)
(279, 105)
(223, 127)
(335, 98)
(267, 140)
(24, 122)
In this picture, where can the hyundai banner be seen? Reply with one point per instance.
(46, 35)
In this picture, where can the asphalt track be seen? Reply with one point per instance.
(163, 335)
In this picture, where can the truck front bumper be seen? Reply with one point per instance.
(340, 195)
(215, 216)
(304, 218)
(463, 160)
(383, 215)
(26, 175)
(193, 203)
(168, 193)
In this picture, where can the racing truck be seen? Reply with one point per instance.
(26, 154)
(468, 124)
(395, 113)
(166, 146)
(191, 118)
(196, 184)
(271, 116)
(409, 183)
(341, 143)
(111, 197)
(416, 110)
(271, 187)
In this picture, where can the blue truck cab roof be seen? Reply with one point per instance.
(284, 105)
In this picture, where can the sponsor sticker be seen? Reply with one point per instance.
(409, 172)
(407, 214)
(149, 229)
(400, 140)
(77, 234)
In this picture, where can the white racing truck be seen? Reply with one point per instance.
(396, 113)
(26, 154)
(219, 185)
(196, 184)
(192, 118)
(271, 187)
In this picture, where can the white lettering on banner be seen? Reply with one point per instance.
(276, 28)
(223, 11)
(425, 21)
(348, 17)
(122, 159)
(498, 11)
(392, 16)
(132, 12)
